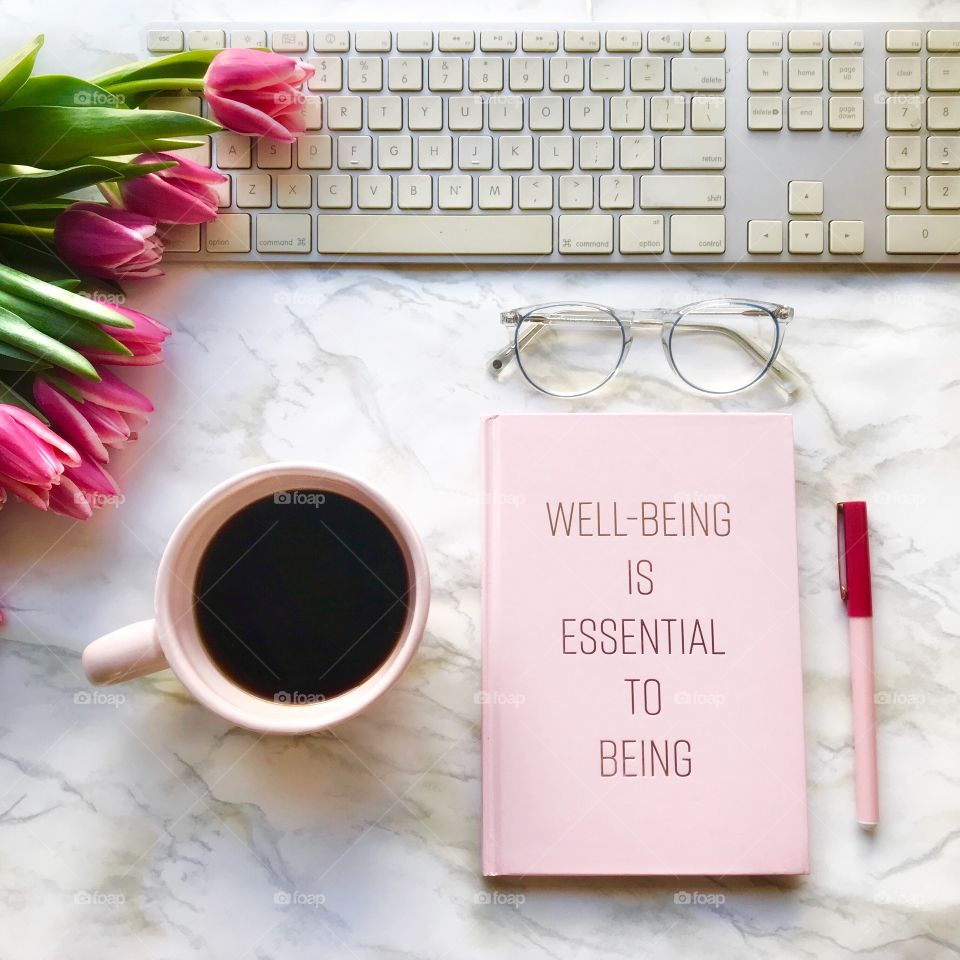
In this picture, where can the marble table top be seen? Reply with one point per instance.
(136, 823)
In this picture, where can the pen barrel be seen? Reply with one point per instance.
(864, 720)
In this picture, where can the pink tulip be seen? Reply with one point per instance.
(107, 242)
(257, 93)
(180, 194)
(144, 340)
(32, 457)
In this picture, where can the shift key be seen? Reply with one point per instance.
(284, 232)
(682, 193)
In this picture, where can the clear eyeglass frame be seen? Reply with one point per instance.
(528, 322)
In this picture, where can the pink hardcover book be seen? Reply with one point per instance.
(642, 681)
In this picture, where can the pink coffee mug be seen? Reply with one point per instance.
(173, 640)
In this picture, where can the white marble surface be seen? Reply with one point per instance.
(146, 827)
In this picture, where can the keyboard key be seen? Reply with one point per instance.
(505, 113)
(344, 113)
(624, 41)
(395, 153)
(430, 235)
(765, 74)
(498, 41)
(328, 75)
(425, 113)
(576, 193)
(253, 190)
(805, 236)
(181, 238)
(293, 190)
(331, 41)
(805, 113)
(414, 41)
(904, 112)
(445, 73)
(566, 73)
(354, 153)
(943, 41)
(665, 41)
(805, 41)
(414, 192)
(581, 41)
(641, 233)
(284, 232)
(495, 193)
(846, 74)
(485, 73)
(904, 41)
(764, 236)
(536, 193)
(311, 110)
(165, 41)
(372, 41)
(591, 233)
(846, 113)
(692, 153)
(904, 153)
(475, 153)
(435, 153)
(540, 41)
(904, 74)
(616, 192)
(682, 192)
(667, 113)
(626, 113)
(207, 39)
(556, 153)
(943, 73)
(708, 41)
(334, 192)
(314, 151)
(515, 153)
(943, 153)
(233, 151)
(374, 192)
(586, 113)
(923, 234)
(708, 113)
(546, 113)
(405, 73)
(456, 41)
(646, 73)
(607, 73)
(698, 73)
(943, 193)
(290, 41)
(765, 113)
(636, 153)
(764, 41)
(943, 113)
(385, 113)
(248, 39)
(847, 237)
(805, 74)
(229, 233)
(846, 41)
(365, 74)
(805, 196)
(596, 153)
(465, 113)
(273, 154)
(526, 73)
(904, 193)
(698, 233)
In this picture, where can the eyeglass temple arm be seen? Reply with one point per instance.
(502, 360)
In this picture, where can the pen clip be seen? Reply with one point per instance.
(841, 552)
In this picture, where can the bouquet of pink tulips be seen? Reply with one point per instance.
(62, 406)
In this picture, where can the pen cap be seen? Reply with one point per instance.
(853, 556)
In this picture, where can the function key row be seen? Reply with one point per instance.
(446, 41)
(805, 41)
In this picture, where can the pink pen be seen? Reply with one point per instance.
(853, 553)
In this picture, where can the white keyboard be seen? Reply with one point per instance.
(722, 143)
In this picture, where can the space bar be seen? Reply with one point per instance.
(440, 234)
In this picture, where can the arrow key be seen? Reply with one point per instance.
(846, 237)
(806, 236)
(765, 236)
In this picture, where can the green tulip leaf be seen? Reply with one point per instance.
(9, 395)
(12, 358)
(33, 213)
(54, 137)
(30, 288)
(15, 69)
(57, 90)
(71, 284)
(192, 63)
(21, 184)
(15, 331)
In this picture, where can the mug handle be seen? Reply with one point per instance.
(130, 652)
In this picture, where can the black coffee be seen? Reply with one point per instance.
(301, 596)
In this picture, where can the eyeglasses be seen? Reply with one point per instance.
(714, 346)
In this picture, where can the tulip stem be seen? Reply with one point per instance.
(158, 84)
(23, 230)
